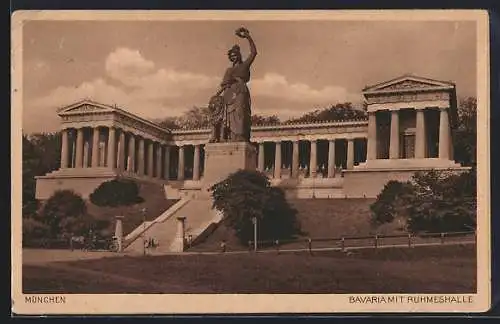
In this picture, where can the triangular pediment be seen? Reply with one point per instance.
(409, 82)
(85, 106)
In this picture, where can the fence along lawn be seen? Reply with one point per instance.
(423, 269)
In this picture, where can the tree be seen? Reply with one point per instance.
(48, 151)
(340, 111)
(465, 133)
(41, 154)
(30, 165)
(61, 211)
(443, 202)
(391, 203)
(34, 229)
(265, 120)
(432, 201)
(196, 117)
(168, 122)
(245, 195)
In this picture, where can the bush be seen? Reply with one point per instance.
(59, 210)
(443, 202)
(248, 194)
(433, 201)
(116, 192)
(33, 229)
(391, 202)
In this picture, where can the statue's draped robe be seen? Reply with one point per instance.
(237, 99)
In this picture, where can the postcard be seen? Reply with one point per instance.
(229, 162)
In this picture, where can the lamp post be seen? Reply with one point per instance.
(143, 211)
(254, 221)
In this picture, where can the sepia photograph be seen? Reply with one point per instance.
(250, 161)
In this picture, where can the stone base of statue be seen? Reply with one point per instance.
(222, 159)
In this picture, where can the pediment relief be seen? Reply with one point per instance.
(409, 83)
(84, 107)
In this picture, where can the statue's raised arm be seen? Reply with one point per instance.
(244, 33)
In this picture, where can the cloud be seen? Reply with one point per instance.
(101, 91)
(277, 86)
(131, 69)
(96, 89)
(127, 65)
(36, 68)
(141, 87)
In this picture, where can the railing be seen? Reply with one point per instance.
(376, 241)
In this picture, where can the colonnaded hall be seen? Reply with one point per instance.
(408, 128)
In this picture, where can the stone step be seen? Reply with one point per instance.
(198, 215)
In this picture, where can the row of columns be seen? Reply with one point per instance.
(116, 155)
(196, 162)
(312, 158)
(420, 135)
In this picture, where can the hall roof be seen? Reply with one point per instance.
(409, 82)
(87, 106)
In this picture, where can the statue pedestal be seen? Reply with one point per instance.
(222, 159)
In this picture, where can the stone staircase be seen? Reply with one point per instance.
(200, 218)
(182, 189)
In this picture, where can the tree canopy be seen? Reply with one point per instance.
(41, 154)
(265, 120)
(246, 195)
(465, 134)
(62, 211)
(198, 117)
(432, 201)
(340, 111)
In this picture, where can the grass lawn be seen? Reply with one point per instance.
(433, 269)
(155, 203)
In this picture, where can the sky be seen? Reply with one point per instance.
(157, 69)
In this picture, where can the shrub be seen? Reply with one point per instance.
(116, 192)
(33, 229)
(57, 211)
(432, 201)
(391, 202)
(443, 202)
(247, 194)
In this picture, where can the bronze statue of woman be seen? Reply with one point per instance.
(235, 91)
